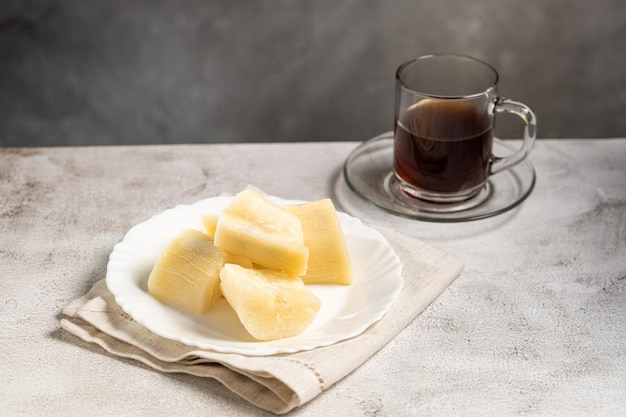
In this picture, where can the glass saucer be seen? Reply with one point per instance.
(368, 171)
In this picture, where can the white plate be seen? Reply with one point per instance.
(346, 311)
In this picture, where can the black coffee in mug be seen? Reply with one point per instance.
(443, 146)
(445, 115)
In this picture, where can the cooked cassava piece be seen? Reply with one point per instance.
(266, 233)
(209, 223)
(329, 261)
(187, 273)
(270, 304)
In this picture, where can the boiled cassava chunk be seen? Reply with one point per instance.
(187, 273)
(264, 232)
(329, 261)
(209, 222)
(270, 304)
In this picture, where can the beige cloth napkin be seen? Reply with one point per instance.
(275, 383)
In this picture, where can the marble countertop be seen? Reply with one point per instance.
(535, 325)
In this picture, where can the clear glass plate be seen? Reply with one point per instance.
(346, 311)
(368, 171)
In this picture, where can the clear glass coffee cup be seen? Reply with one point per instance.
(444, 127)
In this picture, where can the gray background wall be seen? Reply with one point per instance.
(161, 71)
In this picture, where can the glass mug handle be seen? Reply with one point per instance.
(504, 105)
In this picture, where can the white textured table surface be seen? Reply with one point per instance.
(536, 325)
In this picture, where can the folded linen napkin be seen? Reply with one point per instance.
(276, 383)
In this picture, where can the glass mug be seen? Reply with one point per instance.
(444, 121)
